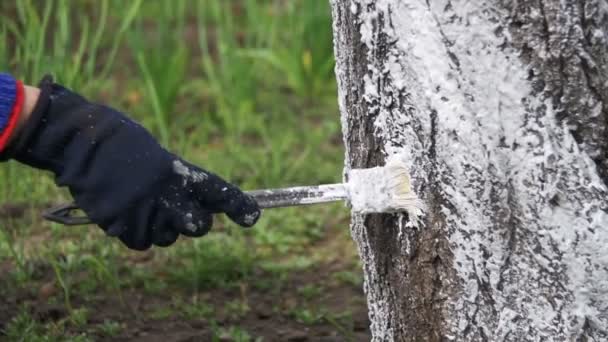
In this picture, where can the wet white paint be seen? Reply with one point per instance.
(384, 189)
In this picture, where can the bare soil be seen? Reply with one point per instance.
(266, 317)
(271, 311)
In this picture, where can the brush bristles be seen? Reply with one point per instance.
(402, 198)
(384, 189)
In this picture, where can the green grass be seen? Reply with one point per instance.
(110, 328)
(23, 327)
(220, 260)
(244, 88)
(233, 333)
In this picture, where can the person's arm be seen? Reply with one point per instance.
(30, 97)
(17, 101)
(117, 172)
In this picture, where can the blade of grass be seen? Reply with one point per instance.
(97, 38)
(155, 101)
(127, 20)
(76, 59)
(62, 283)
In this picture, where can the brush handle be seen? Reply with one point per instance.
(299, 195)
(269, 198)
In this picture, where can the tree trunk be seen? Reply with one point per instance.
(501, 110)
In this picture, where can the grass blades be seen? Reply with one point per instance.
(244, 88)
(162, 60)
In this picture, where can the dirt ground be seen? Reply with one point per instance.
(278, 311)
(264, 318)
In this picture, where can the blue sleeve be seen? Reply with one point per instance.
(8, 94)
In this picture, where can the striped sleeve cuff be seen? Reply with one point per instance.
(8, 96)
(11, 102)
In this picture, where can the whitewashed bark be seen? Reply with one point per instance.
(501, 109)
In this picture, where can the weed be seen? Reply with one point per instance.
(230, 79)
(216, 261)
(161, 313)
(63, 284)
(23, 272)
(307, 63)
(307, 316)
(79, 317)
(233, 333)
(294, 264)
(236, 309)
(20, 326)
(352, 278)
(310, 291)
(162, 63)
(71, 54)
(272, 283)
(344, 329)
(105, 273)
(153, 286)
(197, 310)
(23, 327)
(110, 328)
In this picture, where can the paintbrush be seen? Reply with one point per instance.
(383, 189)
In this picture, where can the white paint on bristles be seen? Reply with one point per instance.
(491, 130)
(384, 189)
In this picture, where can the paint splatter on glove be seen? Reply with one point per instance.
(119, 174)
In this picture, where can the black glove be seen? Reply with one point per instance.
(119, 174)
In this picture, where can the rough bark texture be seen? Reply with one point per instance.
(501, 110)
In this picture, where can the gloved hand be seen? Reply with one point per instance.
(120, 176)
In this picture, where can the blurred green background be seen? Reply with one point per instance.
(245, 88)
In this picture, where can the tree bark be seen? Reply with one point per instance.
(501, 110)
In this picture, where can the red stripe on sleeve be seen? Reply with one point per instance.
(14, 116)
